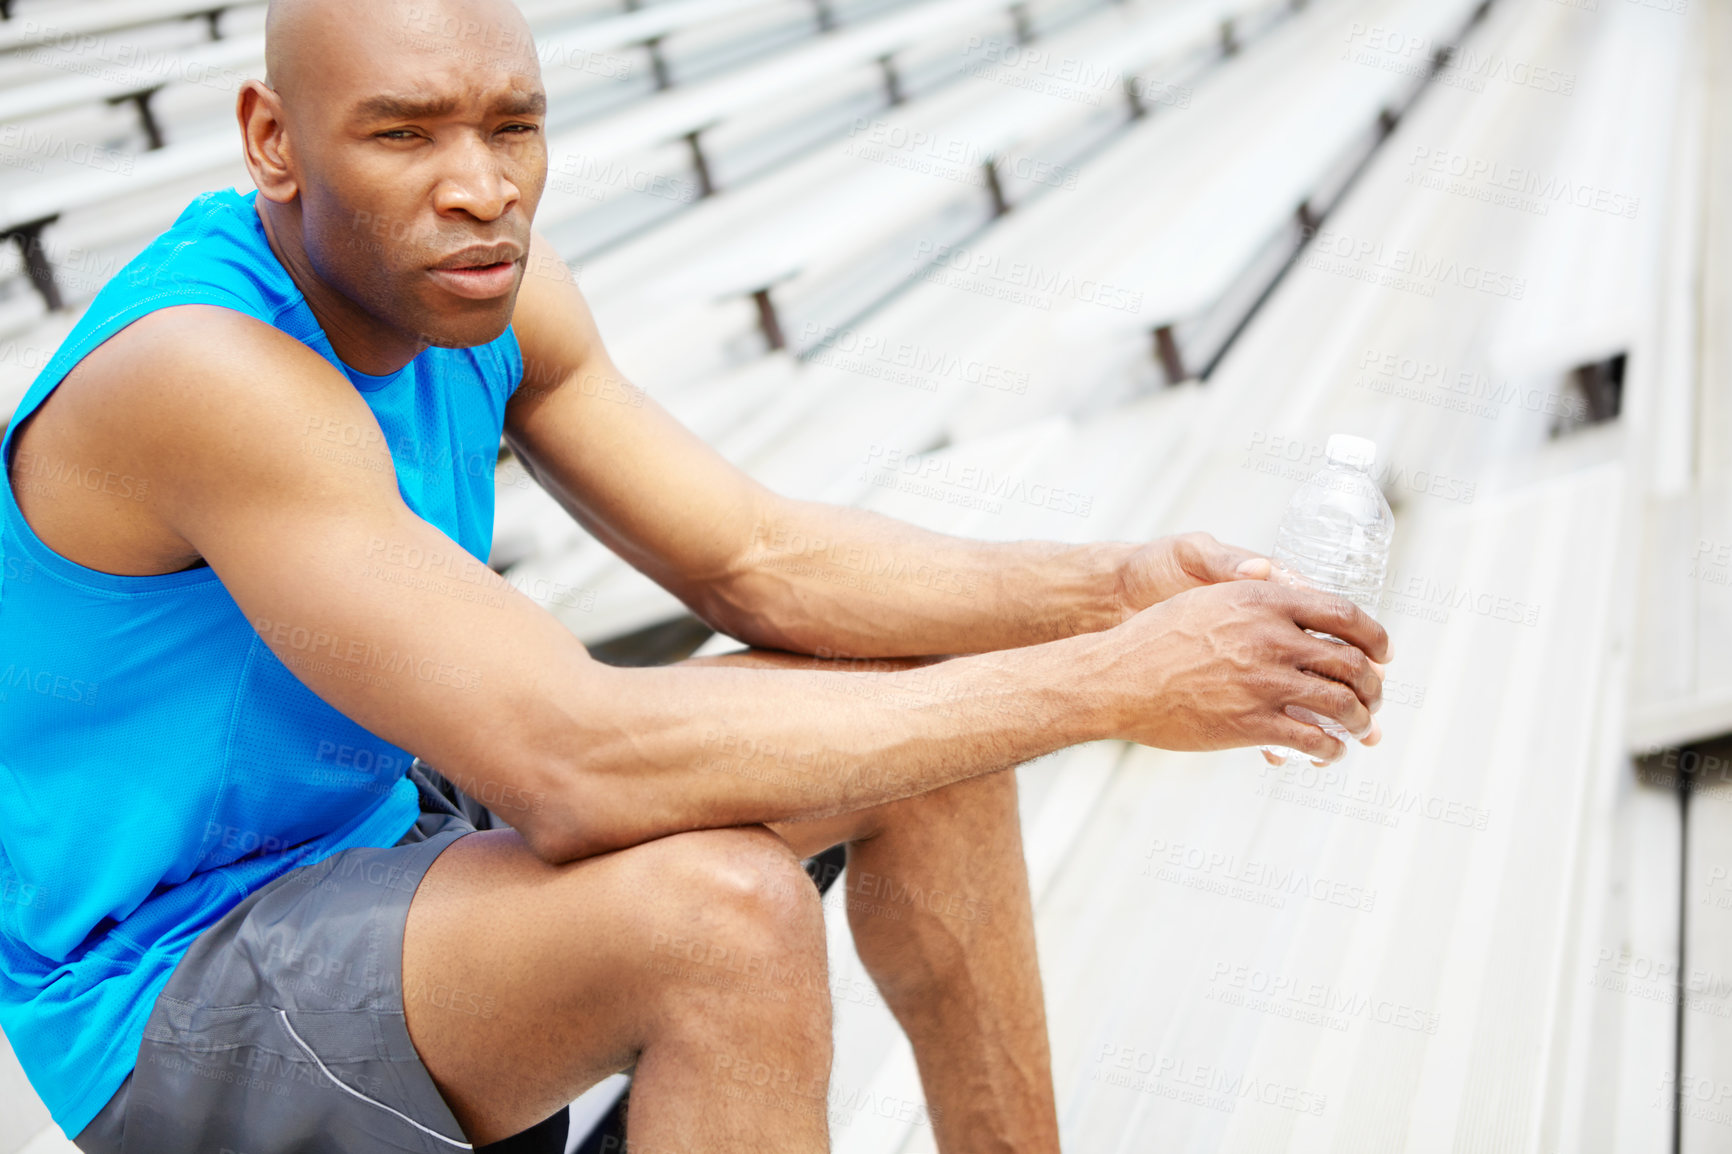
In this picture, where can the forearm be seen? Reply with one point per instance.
(664, 750)
(831, 580)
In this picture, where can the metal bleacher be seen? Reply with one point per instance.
(1080, 270)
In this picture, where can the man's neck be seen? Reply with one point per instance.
(358, 338)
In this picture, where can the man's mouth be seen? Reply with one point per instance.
(481, 272)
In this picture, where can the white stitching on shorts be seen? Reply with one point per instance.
(345, 1087)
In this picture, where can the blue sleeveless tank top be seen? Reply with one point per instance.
(157, 762)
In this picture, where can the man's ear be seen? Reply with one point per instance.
(264, 139)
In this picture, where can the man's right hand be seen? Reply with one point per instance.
(1218, 666)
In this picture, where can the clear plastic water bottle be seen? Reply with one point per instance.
(1335, 537)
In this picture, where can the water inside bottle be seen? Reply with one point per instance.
(1335, 537)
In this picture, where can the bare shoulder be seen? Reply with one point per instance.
(547, 298)
(555, 329)
(183, 408)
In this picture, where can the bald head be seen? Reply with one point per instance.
(305, 40)
(399, 152)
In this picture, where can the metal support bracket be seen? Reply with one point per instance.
(146, 115)
(700, 165)
(1167, 354)
(28, 237)
(1134, 98)
(768, 322)
(1000, 203)
(658, 63)
(893, 94)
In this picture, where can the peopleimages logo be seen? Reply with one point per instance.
(1334, 790)
(355, 659)
(1434, 383)
(1404, 269)
(124, 61)
(1419, 595)
(16, 893)
(965, 484)
(1314, 1003)
(1534, 191)
(46, 683)
(53, 146)
(1196, 1083)
(908, 363)
(1299, 458)
(1261, 883)
(1018, 282)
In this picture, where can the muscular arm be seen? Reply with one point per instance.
(827, 579)
(216, 410)
(789, 574)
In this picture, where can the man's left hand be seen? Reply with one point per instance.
(1170, 565)
(1167, 567)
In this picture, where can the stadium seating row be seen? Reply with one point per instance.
(1033, 360)
(587, 58)
(1419, 947)
(1439, 944)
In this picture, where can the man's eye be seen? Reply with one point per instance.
(396, 134)
(520, 129)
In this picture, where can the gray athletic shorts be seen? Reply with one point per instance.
(282, 1028)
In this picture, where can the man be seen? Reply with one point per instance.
(240, 919)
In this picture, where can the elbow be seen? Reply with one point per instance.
(748, 596)
(539, 794)
(577, 812)
(766, 608)
(561, 834)
(553, 844)
(736, 608)
(563, 824)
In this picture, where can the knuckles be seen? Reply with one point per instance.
(1344, 703)
(1193, 550)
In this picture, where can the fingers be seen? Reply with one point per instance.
(1347, 665)
(1330, 699)
(1254, 568)
(1209, 561)
(1307, 739)
(1339, 617)
(1372, 738)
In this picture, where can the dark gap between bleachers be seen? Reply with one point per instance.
(1683, 769)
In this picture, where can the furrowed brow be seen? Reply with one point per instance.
(404, 108)
(386, 107)
(523, 104)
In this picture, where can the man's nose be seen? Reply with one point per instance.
(477, 182)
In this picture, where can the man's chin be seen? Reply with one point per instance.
(470, 324)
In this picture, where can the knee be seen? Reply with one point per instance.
(752, 878)
(747, 899)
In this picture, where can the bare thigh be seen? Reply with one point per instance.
(527, 982)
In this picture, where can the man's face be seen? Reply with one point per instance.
(421, 150)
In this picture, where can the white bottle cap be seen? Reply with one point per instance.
(1355, 451)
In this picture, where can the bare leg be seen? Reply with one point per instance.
(938, 899)
(698, 958)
